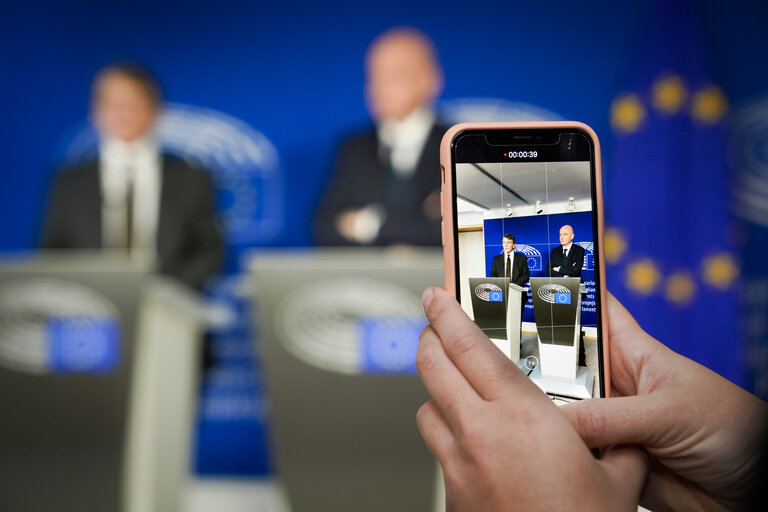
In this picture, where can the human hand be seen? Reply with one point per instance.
(556, 269)
(703, 432)
(501, 442)
(360, 225)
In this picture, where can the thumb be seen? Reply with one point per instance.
(603, 422)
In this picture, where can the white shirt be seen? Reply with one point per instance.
(567, 249)
(406, 139)
(136, 163)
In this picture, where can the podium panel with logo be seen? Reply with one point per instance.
(489, 304)
(98, 362)
(496, 307)
(338, 334)
(557, 310)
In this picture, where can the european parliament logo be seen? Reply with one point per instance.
(589, 255)
(489, 292)
(751, 140)
(244, 164)
(57, 326)
(351, 325)
(555, 294)
(533, 255)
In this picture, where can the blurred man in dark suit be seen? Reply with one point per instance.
(132, 198)
(512, 265)
(567, 259)
(386, 186)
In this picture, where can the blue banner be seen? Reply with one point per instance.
(670, 242)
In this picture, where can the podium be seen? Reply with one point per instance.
(345, 438)
(496, 308)
(557, 309)
(98, 372)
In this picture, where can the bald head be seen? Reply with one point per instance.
(402, 74)
(566, 235)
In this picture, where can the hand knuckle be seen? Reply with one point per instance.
(462, 343)
(589, 422)
(473, 437)
(422, 413)
(425, 359)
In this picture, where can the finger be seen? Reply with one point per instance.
(486, 369)
(602, 422)
(620, 320)
(627, 467)
(445, 383)
(435, 430)
(630, 349)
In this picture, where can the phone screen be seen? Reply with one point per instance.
(525, 229)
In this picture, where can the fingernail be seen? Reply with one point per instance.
(426, 297)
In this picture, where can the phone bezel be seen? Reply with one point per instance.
(500, 133)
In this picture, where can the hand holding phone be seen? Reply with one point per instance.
(502, 444)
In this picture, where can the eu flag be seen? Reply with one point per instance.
(669, 241)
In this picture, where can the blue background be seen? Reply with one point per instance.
(294, 71)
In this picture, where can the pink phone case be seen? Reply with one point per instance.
(449, 223)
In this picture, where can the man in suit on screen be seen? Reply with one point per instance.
(512, 265)
(566, 259)
(131, 198)
(385, 189)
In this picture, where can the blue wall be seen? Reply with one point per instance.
(294, 71)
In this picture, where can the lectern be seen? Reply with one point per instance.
(557, 309)
(345, 434)
(98, 361)
(496, 308)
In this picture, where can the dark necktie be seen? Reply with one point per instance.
(129, 215)
(385, 157)
(509, 266)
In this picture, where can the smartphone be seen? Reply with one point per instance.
(523, 247)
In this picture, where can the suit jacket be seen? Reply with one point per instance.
(411, 206)
(189, 242)
(521, 273)
(570, 266)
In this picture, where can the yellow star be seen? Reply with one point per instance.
(681, 288)
(709, 105)
(643, 276)
(669, 94)
(627, 113)
(615, 245)
(720, 270)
